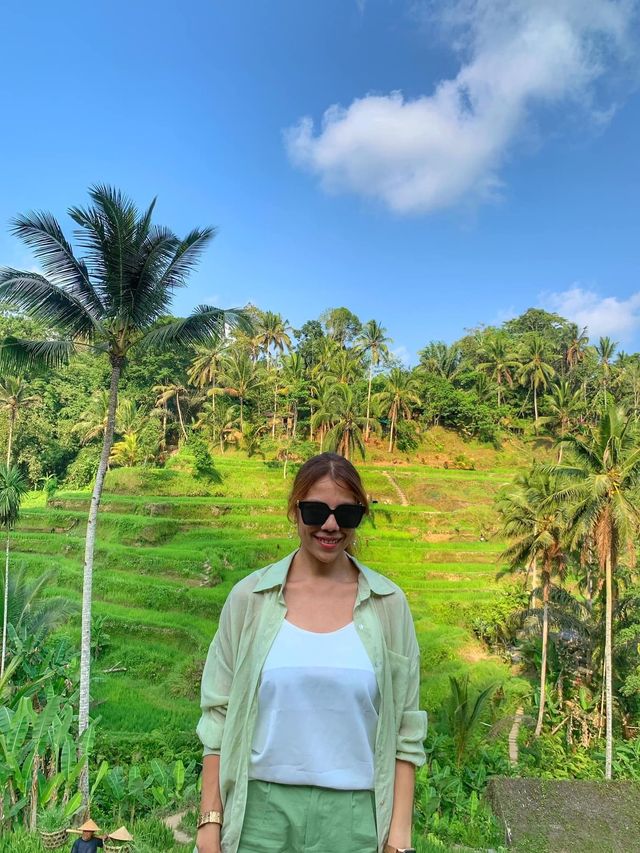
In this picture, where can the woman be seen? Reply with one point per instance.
(310, 720)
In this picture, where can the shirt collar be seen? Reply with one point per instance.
(276, 574)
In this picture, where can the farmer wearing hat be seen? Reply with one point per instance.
(87, 843)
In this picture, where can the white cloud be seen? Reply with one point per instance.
(402, 353)
(602, 315)
(437, 150)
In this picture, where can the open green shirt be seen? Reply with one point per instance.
(249, 622)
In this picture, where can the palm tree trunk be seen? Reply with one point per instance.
(184, 432)
(275, 403)
(543, 665)
(87, 580)
(12, 420)
(393, 423)
(366, 432)
(608, 665)
(241, 413)
(5, 611)
(535, 408)
(310, 421)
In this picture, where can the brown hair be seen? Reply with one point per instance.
(331, 465)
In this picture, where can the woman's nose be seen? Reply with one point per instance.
(331, 523)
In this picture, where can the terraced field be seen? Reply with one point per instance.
(171, 547)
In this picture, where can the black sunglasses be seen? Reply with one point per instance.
(316, 513)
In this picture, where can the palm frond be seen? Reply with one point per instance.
(47, 302)
(204, 324)
(42, 233)
(18, 354)
(187, 255)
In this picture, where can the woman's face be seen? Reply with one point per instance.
(326, 543)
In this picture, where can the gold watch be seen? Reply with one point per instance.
(209, 817)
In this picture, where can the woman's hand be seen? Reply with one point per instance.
(208, 838)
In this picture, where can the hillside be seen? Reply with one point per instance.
(170, 547)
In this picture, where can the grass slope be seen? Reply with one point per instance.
(170, 547)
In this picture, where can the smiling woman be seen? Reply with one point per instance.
(310, 719)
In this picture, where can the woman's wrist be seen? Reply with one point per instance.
(399, 837)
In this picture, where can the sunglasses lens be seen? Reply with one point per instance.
(349, 515)
(316, 513)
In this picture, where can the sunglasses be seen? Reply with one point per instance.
(315, 513)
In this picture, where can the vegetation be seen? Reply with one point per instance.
(504, 467)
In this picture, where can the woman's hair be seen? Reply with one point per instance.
(331, 465)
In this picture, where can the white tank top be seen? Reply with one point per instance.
(318, 704)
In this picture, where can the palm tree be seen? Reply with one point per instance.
(239, 378)
(222, 422)
(534, 368)
(294, 384)
(172, 391)
(576, 350)
(372, 341)
(536, 528)
(600, 488)
(13, 487)
(31, 610)
(14, 396)
(345, 435)
(273, 331)
(323, 415)
(400, 391)
(109, 301)
(563, 402)
(462, 714)
(499, 360)
(206, 364)
(441, 359)
(605, 349)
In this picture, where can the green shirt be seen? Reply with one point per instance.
(249, 623)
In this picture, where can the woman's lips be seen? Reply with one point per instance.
(327, 544)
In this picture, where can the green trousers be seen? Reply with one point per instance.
(304, 819)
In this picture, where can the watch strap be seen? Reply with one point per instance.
(209, 817)
(389, 849)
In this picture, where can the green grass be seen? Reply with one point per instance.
(160, 529)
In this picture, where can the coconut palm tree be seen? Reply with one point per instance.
(14, 397)
(400, 392)
(273, 331)
(536, 528)
(605, 350)
(599, 487)
(535, 369)
(577, 348)
(239, 378)
(437, 357)
(499, 360)
(108, 301)
(13, 487)
(206, 364)
(173, 391)
(345, 435)
(372, 342)
(564, 403)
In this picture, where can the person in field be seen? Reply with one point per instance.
(88, 842)
(310, 721)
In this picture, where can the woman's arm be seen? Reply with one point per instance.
(402, 815)
(208, 839)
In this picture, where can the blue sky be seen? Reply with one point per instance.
(478, 156)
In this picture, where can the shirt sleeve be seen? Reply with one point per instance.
(413, 723)
(216, 684)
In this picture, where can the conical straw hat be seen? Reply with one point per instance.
(121, 834)
(89, 826)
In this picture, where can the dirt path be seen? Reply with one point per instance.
(173, 822)
(401, 495)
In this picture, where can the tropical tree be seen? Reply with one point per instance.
(345, 435)
(499, 360)
(240, 378)
(400, 392)
(31, 611)
(13, 487)
(576, 348)
(605, 350)
(173, 391)
(206, 365)
(563, 403)
(535, 368)
(272, 331)
(372, 342)
(437, 357)
(599, 487)
(461, 713)
(14, 396)
(108, 301)
(536, 528)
